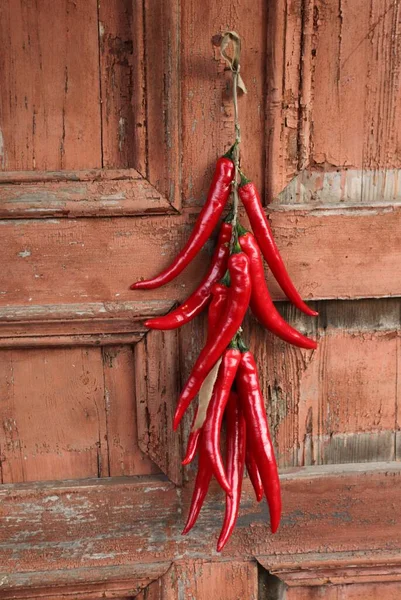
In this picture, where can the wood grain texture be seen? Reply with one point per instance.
(283, 77)
(122, 583)
(359, 86)
(70, 413)
(344, 568)
(117, 49)
(337, 404)
(204, 580)
(162, 35)
(50, 112)
(94, 193)
(120, 375)
(342, 188)
(156, 392)
(207, 113)
(133, 521)
(51, 412)
(341, 59)
(96, 323)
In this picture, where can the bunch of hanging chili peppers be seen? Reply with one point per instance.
(225, 374)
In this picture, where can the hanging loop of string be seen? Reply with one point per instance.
(231, 37)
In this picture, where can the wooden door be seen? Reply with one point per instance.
(112, 115)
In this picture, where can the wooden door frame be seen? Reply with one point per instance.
(124, 543)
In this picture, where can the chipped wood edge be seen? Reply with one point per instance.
(91, 324)
(81, 583)
(336, 568)
(157, 383)
(152, 502)
(72, 194)
(345, 188)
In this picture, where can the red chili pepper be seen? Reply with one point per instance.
(261, 302)
(253, 473)
(263, 233)
(212, 426)
(201, 296)
(207, 220)
(237, 303)
(202, 482)
(193, 442)
(258, 432)
(219, 297)
(236, 443)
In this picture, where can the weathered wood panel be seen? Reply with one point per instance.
(341, 59)
(162, 60)
(134, 521)
(156, 361)
(121, 583)
(204, 580)
(359, 86)
(337, 404)
(94, 193)
(283, 77)
(124, 454)
(359, 256)
(118, 48)
(343, 568)
(50, 111)
(354, 187)
(71, 413)
(86, 322)
(52, 414)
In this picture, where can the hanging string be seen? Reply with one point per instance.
(231, 37)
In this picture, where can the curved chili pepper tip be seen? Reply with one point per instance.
(253, 406)
(261, 302)
(235, 459)
(207, 220)
(197, 301)
(264, 235)
(193, 443)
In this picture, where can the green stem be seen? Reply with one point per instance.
(241, 345)
(241, 230)
(226, 280)
(244, 179)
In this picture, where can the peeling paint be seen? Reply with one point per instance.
(347, 188)
(24, 253)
